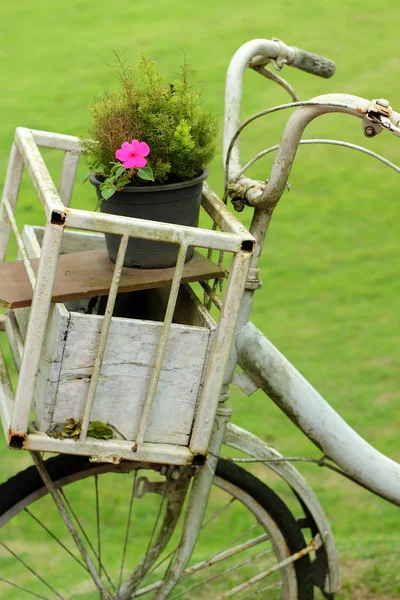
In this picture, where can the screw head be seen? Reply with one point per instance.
(370, 131)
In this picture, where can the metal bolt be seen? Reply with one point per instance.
(370, 131)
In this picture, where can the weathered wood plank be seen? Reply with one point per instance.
(125, 375)
(89, 273)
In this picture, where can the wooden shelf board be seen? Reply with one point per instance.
(88, 274)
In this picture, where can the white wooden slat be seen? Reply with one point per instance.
(126, 372)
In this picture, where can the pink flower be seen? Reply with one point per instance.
(132, 155)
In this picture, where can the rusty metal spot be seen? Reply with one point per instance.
(17, 440)
(58, 218)
(114, 459)
(199, 460)
(248, 246)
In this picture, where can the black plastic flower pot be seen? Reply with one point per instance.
(177, 203)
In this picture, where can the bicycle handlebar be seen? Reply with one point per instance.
(313, 63)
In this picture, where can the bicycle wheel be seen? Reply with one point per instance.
(119, 512)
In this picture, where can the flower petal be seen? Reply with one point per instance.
(130, 162)
(143, 149)
(123, 154)
(139, 161)
(134, 146)
(126, 146)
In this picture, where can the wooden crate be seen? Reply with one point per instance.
(70, 348)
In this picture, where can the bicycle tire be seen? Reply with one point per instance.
(22, 490)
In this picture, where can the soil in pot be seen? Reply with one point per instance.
(177, 203)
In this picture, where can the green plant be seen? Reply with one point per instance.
(165, 117)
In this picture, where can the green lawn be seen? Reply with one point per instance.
(331, 289)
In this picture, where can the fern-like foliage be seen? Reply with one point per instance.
(168, 117)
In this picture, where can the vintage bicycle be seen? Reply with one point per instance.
(185, 519)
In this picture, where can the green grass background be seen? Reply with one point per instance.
(330, 267)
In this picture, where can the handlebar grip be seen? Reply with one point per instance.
(313, 63)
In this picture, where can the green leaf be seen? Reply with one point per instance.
(108, 192)
(107, 183)
(122, 182)
(99, 168)
(117, 169)
(86, 177)
(146, 173)
(99, 430)
(120, 170)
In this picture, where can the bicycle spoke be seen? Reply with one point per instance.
(56, 538)
(67, 502)
(314, 544)
(264, 589)
(172, 553)
(96, 486)
(169, 556)
(219, 512)
(19, 559)
(253, 580)
(156, 521)
(222, 573)
(239, 537)
(219, 557)
(128, 525)
(19, 587)
(223, 555)
(165, 530)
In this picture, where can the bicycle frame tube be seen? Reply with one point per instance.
(277, 377)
